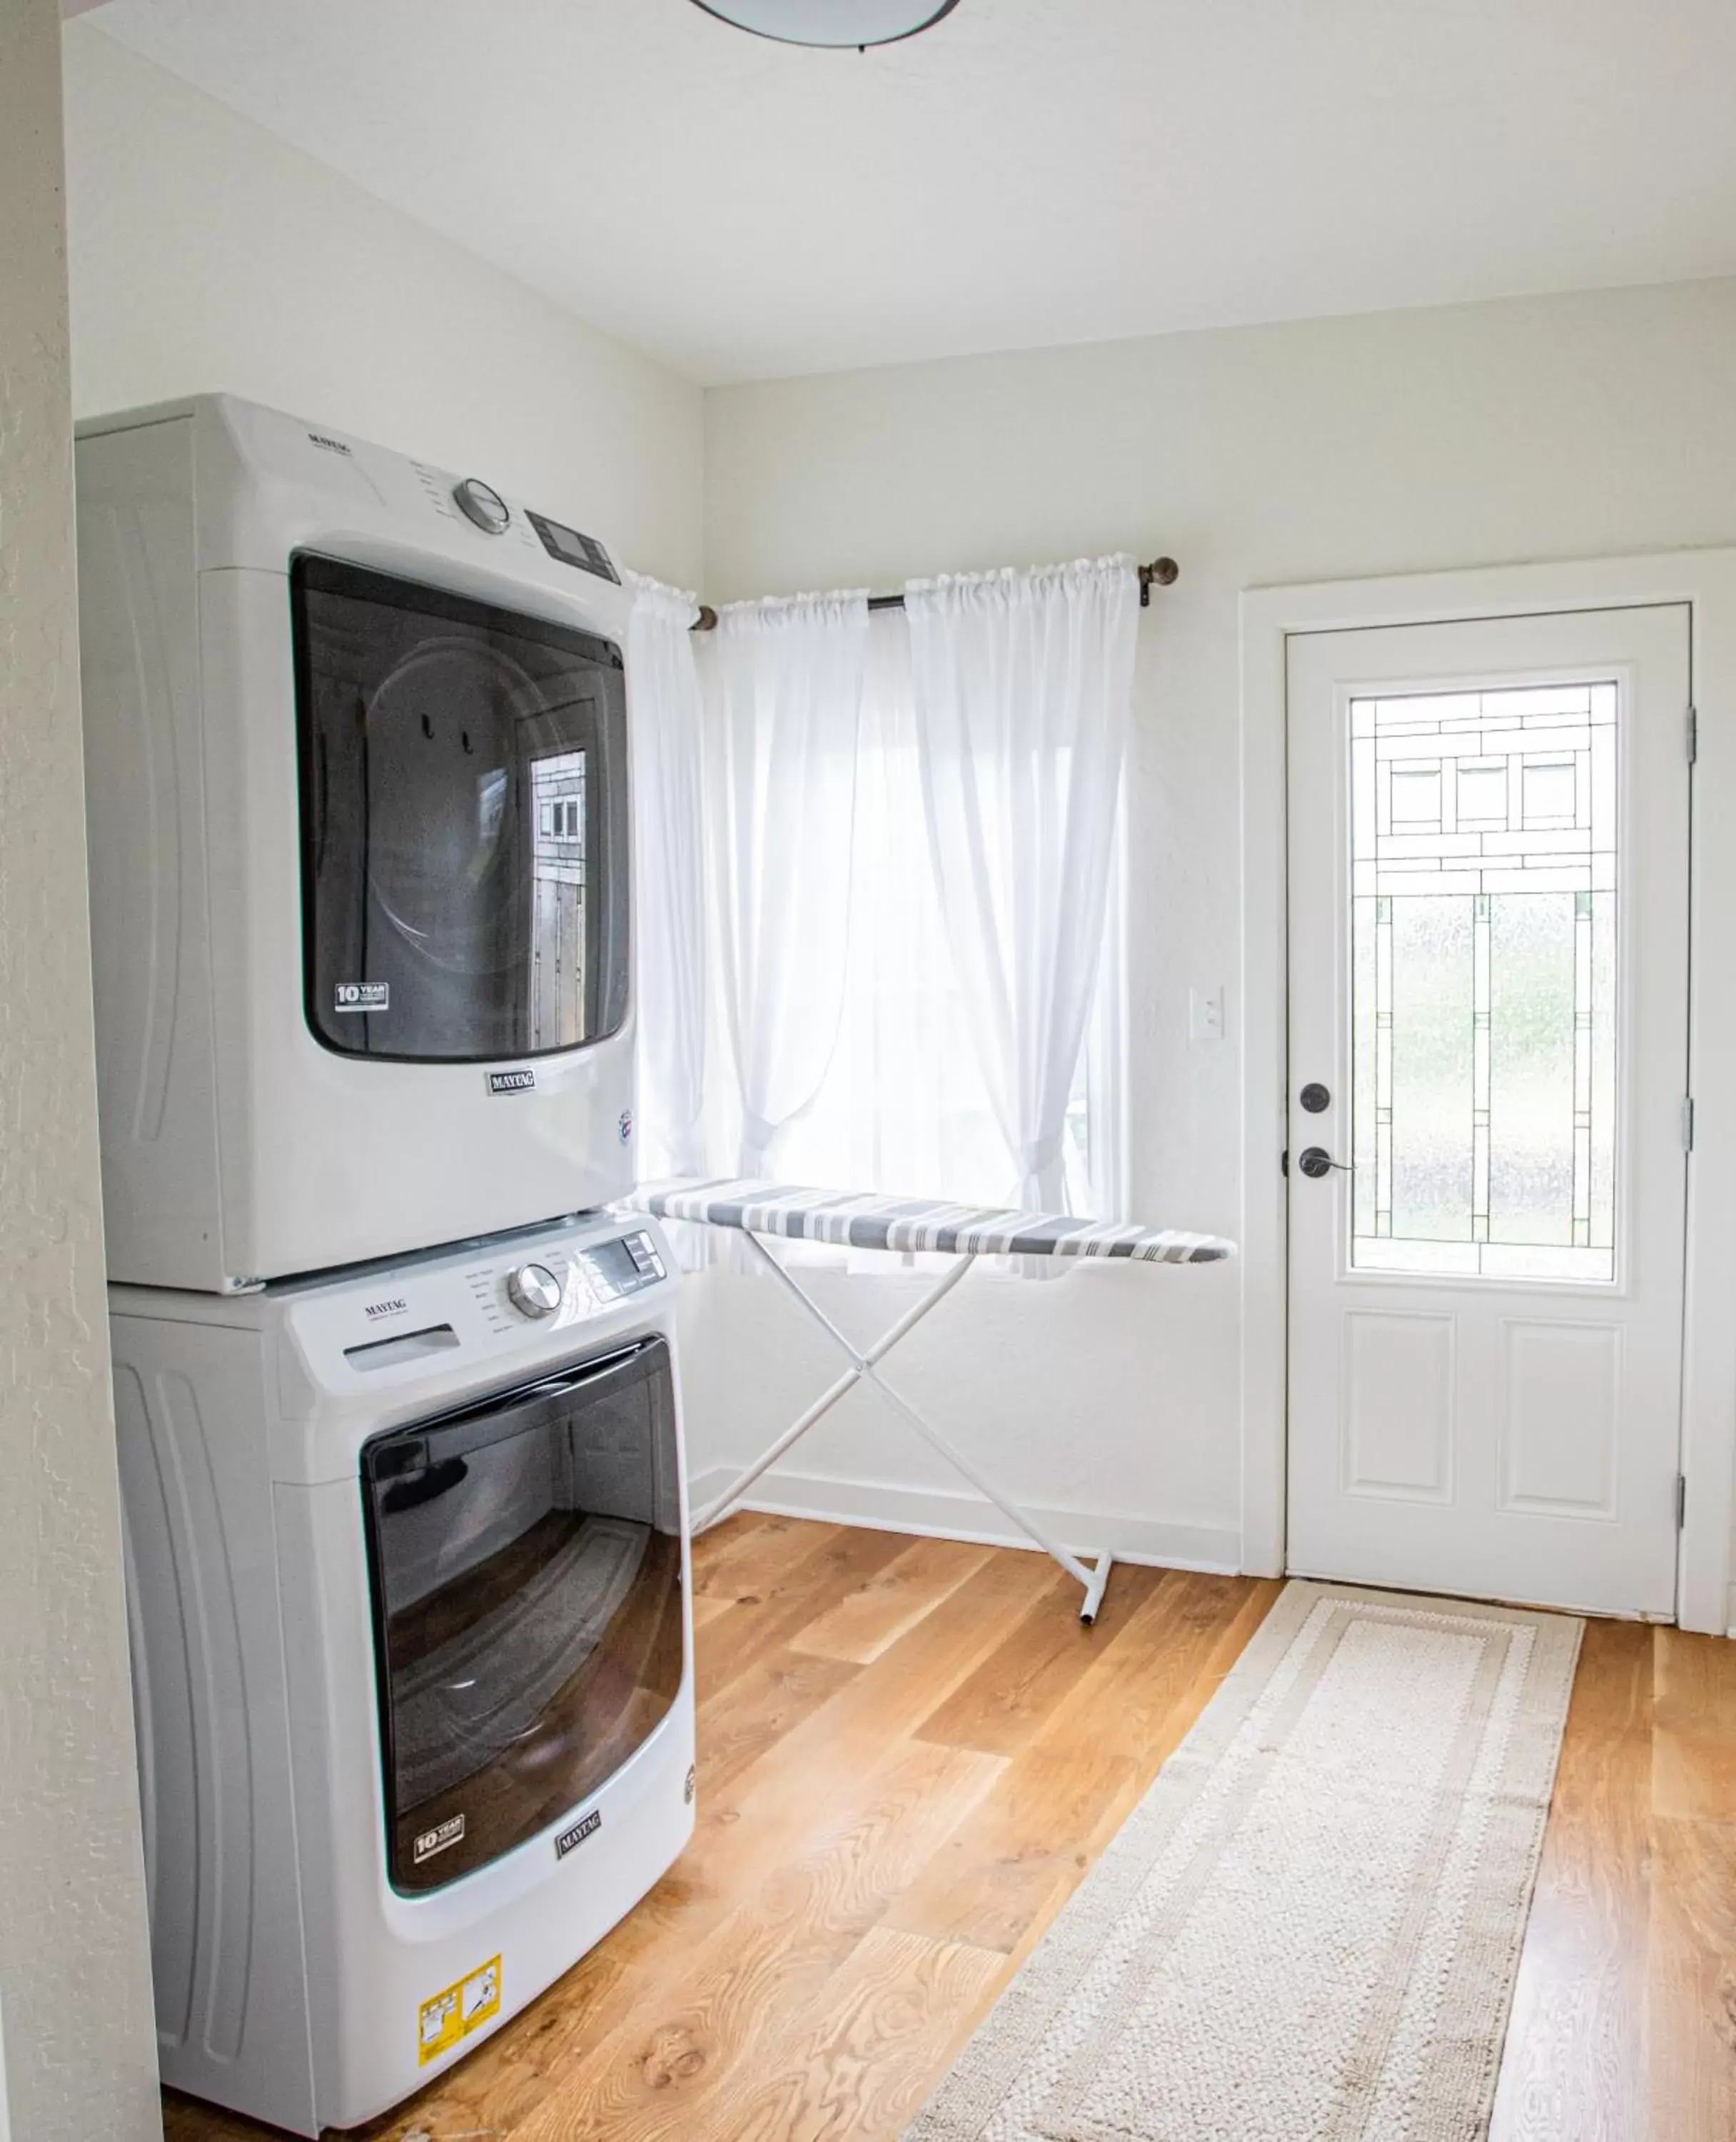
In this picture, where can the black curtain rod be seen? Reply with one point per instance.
(1160, 573)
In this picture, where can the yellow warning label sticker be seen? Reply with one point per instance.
(449, 2017)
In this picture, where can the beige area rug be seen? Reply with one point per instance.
(1308, 1929)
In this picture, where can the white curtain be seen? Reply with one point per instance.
(669, 940)
(1022, 684)
(903, 1106)
(785, 694)
(1105, 1188)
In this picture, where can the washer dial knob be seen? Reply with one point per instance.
(534, 1291)
(485, 506)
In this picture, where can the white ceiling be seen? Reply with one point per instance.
(1029, 172)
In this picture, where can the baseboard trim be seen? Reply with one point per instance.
(938, 1513)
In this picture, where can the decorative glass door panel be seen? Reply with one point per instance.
(1484, 881)
(1488, 870)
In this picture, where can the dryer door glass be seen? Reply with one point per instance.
(464, 823)
(526, 1568)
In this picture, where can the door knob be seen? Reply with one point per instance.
(1316, 1161)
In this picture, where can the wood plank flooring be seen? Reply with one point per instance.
(910, 1752)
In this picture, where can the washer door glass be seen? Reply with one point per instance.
(526, 1566)
(463, 794)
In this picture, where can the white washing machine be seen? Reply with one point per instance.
(406, 1561)
(356, 764)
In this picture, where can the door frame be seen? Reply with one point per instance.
(1705, 581)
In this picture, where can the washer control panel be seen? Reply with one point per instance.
(425, 1317)
(567, 1281)
(592, 1277)
(384, 1342)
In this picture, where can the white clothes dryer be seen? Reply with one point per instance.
(407, 1559)
(356, 765)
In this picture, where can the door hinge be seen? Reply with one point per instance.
(1688, 1124)
(1681, 1500)
(1693, 736)
(1284, 1162)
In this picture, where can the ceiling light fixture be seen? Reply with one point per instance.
(835, 22)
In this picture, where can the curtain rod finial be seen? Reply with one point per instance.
(1160, 573)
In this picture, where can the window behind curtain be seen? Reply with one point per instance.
(904, 1107)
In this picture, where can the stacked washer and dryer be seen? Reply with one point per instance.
(400, 1449)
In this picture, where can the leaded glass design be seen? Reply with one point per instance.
(1483, 982)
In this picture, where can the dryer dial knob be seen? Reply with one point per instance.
(534, 1291)
(485, 506)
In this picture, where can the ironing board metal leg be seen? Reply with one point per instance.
(864, 1368)
(714, 1511)
(883, 1346)
(1094, 1591)
(1080, 1572)
(706, 1518)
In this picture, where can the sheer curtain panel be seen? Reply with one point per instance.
(663, 686)
(785, 697)
(902, 1108)
(1023, 685)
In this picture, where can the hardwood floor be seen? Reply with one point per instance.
(910, 1752)
(1624, 2023)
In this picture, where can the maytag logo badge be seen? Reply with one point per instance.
(331, 445)
(361, 996)
(511, 1082)
(441, 1838)
(568, 1839)
(393, 1306)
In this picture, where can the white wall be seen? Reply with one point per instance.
(207, 254)
(1554, 428)
(74, 1968)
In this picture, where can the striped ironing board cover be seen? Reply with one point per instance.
(861, 1220)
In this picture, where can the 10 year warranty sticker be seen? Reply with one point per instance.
(449, 2017)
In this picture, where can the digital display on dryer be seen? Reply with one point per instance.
(573, 549)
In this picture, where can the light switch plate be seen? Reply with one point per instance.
(1205, 1014)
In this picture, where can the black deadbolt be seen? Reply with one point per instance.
(1314, 1097)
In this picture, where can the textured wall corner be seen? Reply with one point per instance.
(75, 1984)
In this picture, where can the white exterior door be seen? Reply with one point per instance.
(1488, 1007)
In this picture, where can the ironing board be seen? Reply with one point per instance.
(861, 1220)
